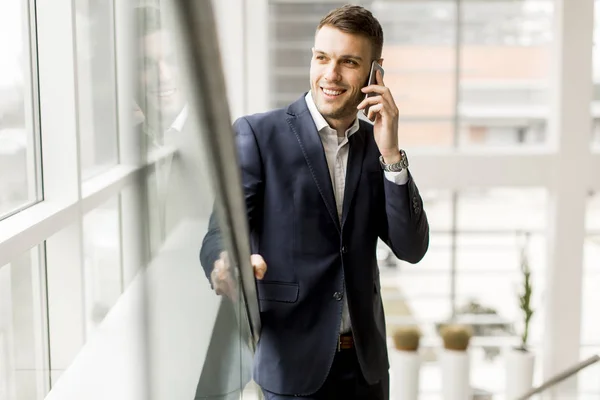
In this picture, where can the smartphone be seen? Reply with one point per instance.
(372, 81)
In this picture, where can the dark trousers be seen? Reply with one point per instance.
(344, 382)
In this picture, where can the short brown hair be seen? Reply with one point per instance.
(359, 21)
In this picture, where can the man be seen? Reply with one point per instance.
(178, 185)
(159, 90)
(318, 199)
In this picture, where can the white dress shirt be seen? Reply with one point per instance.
(336, 152)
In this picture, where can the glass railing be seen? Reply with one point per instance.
(168, 334)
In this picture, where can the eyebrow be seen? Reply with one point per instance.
(345, 56)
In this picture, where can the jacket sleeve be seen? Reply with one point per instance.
(404, 227)
(252, 183)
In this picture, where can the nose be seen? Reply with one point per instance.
(332, 73)
(164, 71)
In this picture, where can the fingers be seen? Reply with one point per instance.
(369, 101)
(379, 88)
(221, 278)
(374, 110)
(259, 265)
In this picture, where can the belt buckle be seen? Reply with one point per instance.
(345, 342)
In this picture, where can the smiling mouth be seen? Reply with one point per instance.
(333, 93)
(164, 93)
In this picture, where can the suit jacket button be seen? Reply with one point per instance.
(338, 296)
(344, 250)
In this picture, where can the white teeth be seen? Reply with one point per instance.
(332, 92)
(166, 93)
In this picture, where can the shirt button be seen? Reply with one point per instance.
(338, 296)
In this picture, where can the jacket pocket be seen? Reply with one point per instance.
(277, 291)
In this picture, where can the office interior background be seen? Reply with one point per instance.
(103, 205)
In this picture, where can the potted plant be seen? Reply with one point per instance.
(496, 325)
(454, 361)
(406, 363)
(520, 360)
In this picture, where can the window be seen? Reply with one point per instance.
(19, 140)
(504, 68)
(23, 326)
(102, 260)
(472, 270)
(590, 330)
(96, 85)
(462, 74)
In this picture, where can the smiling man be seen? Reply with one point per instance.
(321, 187)
(159, 92)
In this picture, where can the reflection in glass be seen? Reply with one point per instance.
(23, 326)
(17, 133)
(102, 261)
(96, 85)
(197, 340)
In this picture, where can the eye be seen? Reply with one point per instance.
(351, 62)
(320, 57)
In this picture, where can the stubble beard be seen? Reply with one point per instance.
(345, 110)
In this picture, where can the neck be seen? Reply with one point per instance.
(341, 125)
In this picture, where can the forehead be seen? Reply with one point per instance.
(158, 44)
(337, 43)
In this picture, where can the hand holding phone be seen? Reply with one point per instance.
(372, 81)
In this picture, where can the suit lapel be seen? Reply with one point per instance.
(353, 171)
(303, 126)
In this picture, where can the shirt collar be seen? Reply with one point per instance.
(320, 120)
(180, 120)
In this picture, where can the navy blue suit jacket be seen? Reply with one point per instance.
(311, 256)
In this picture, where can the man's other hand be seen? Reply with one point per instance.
(222, 278)
(259, 265)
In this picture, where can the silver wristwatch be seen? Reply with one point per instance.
(395, 167)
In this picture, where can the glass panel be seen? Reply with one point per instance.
(96, 86)
(495, 228)
(502, 209)
(18, 136)
(504, 68)
(590, 334)
(498, 252)
(438, 205)
(23, 329)
(197, 340)
(590, 328)
(419, 61)
(102, 261)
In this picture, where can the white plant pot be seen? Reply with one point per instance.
(519, 373)
(456, 371)
(407, 365)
